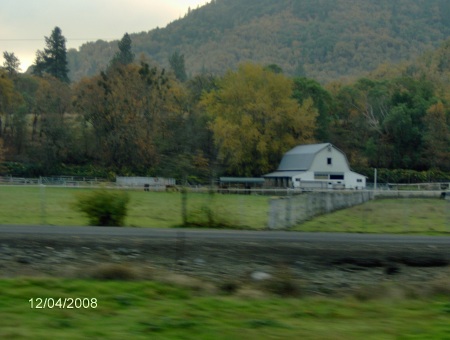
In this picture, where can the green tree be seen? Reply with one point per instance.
(52, 128)
(53, 60)
(274, 68)
(437, 137)
(305, 88)
(255, 119)
(177, 64)
(124, 56)
(11, 63)
(104, 208)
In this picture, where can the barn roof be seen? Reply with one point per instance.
(245, 180)
(285, 174)
(300, 157)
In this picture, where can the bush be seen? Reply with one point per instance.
(114, 271)
(103, 207)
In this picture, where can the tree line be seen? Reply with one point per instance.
(137, 118)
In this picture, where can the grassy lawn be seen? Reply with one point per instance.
(414, 215)
(147, 309)
(52, 206)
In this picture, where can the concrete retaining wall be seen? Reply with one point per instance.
(288, 211)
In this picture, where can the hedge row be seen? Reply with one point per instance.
(405, 176)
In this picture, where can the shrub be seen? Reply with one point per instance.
(114, 271)
(283, 283)
(103, 207)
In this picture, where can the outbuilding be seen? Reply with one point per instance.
(319, 166)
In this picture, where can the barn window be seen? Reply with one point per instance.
(320, 175)
(336, 176)
(359, 180)
(329, 161)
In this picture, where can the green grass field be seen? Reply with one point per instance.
(151, 310)
(409, 215)
(53, 206)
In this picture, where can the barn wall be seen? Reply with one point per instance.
(339, 162)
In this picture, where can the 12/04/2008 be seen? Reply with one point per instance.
(63, 303)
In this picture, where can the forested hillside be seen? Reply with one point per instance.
(140, 117)
(320, 39)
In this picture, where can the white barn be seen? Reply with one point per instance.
(321, 166)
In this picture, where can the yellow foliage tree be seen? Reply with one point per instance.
(255, 119)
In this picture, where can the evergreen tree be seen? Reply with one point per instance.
(11, 63)
(124, 56)
(177, 65)
(54, 58)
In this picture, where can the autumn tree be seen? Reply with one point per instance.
(255, 119)
(10, 100)
(53, 60)
(123, 109)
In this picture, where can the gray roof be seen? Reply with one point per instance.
(300, 157)
(285, 174)
(241, 180)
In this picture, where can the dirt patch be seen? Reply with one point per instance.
(321, 268)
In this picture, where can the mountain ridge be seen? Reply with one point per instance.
(320, 39)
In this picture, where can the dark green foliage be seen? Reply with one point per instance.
(53, 60)
(385, 176)
(124, 56)
(177, 65)
(104, 207)
(274, 68)
(11, 63)
(305, 88)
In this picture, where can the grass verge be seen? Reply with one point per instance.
(148, 309)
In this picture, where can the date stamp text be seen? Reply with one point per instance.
(63, 303)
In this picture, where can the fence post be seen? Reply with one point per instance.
(288, 210)
(184, 205)
(43, 204)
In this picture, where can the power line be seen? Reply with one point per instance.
(40, 39)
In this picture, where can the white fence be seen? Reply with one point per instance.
(69, 181)
(147, 183)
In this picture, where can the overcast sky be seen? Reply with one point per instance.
(25, 23)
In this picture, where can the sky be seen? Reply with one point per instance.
(24, 24)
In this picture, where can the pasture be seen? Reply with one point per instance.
(54, 206)
(33, 205)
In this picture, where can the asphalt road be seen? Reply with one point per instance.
(195, 234)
